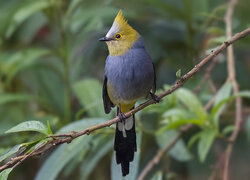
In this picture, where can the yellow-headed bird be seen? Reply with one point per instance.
(129, 76)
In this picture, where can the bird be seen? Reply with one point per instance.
(128, 76)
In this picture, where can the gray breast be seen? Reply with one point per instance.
(131, 75)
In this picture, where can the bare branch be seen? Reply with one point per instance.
(207, 76)
(232, 78)
(218, 167)
(160, 153)
(156, 159)
(67, 138)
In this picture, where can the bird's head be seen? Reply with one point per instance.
(121, 36)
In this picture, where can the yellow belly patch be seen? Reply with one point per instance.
(125, 107)
(110, 94)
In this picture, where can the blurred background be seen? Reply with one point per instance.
(51, 70)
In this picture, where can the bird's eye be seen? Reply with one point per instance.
(118, 36)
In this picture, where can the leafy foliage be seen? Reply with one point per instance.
(4, 175)
(179, 151)
(51, 68)
(30, 126)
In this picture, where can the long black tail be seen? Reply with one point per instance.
(125, 143)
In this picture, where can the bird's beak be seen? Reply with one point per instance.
(105, 39)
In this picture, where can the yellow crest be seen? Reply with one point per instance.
(120, 19)
(127, 33)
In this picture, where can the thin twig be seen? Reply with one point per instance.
(156, 159)
(210, 102)
(67, 138)
(217, 168)
(207, 76)
(232, 78)
(212, 85)
(160, 153)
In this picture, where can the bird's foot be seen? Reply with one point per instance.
(121, 116)
(155, 98)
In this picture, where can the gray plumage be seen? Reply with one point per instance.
(130, 75)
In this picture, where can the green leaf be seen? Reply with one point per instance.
(179, 122)
(223, 93)
(191, 102)
(89, 92)
(22, 60)
(172, 176)
(134, 166)
(248, 128)
(8, 98)
(51, 89)
(176, 112)
(10, 152)
(176, 117)
(91, 18)
(218, 108)
(179, 150)
(222, 97)
(215, 30)
(24, 12)
(178, 74)
(49, 129)
(61, 157)
(30, 146)
(80, 125)
(72, 6)
(206, 140)
(167, 103)
(66, 152)
(244, 94)
(102, 145)
(157, 176)
(228, 129)
(193, 139)
(4, 174)
(217, 40)
(36, 126)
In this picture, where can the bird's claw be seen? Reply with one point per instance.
(155, 98)
(121, 116)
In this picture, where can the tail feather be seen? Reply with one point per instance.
(125, 146)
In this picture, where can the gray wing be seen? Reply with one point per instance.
(106, 100)
(154, 85)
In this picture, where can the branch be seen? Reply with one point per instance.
(207, 77)
(218, 167)
(232, 78)
(67, 138)
(161, 152)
